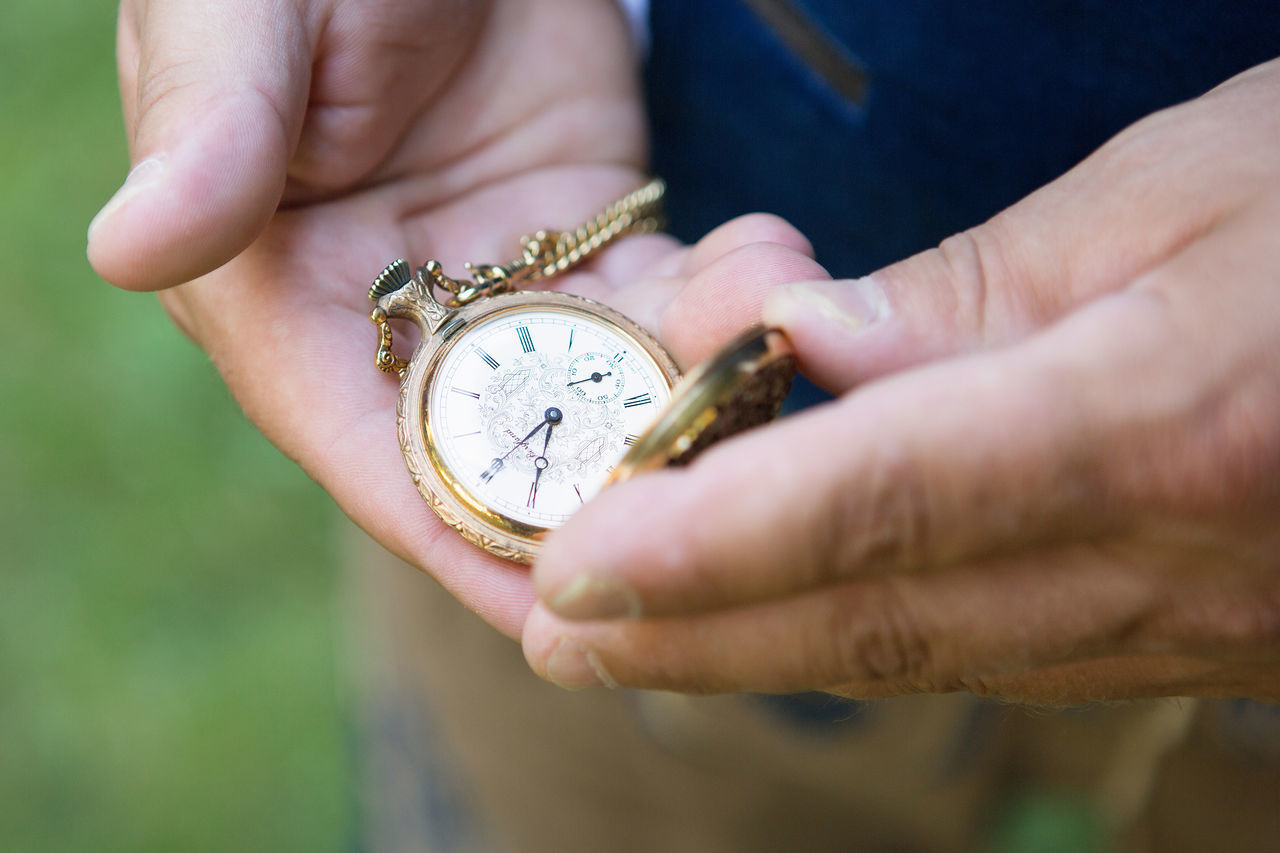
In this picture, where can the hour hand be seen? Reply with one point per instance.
(550, 418)
(539, 465)
(496, 465)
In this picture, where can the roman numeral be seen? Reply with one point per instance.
(488, 359)
(474, 395)
(526, 340)
(637, 400)
(630, 440)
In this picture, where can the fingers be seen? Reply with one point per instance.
(1081, 506)
(359, 463)
(214, 95)
(697, 298)
(738, 232)
(1085, 623)
(730, 271)
(725, 297)
(931, 633)
(299, 362)
(1089, 233)
(957, 461)
(619, 264)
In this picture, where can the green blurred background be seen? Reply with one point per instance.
(169, 619)
(167, 605)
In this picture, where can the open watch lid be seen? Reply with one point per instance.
(741, 387)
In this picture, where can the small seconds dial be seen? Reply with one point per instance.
(598, 378)
(531, 408)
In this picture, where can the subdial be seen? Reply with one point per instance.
(596, 377)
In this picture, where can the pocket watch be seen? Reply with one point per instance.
(517, 406)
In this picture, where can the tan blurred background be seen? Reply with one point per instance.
(168, 675)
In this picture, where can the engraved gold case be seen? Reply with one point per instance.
(518, 406)
(472, 415)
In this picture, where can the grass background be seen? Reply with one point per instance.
(167, 676)
(167, 580)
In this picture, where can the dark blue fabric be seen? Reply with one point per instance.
(815, 712)
(971, 106)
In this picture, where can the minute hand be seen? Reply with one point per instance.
(522, 441)
(540, 464)
(552, 416)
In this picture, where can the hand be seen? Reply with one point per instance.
(595, 377)
(1053, 475)
(285, 151)
(496, 465)
(540, 461)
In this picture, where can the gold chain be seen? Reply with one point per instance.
(545, 254)
(638, 212)
(549, 253)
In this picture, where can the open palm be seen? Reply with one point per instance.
(285, 152)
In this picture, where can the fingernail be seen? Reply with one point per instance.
(143, 176)
(575, 667)
(590, 596)
(858, 304)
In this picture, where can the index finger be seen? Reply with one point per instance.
(957, 461)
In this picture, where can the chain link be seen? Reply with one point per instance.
(638, 212)
(549, 253)
(545, 254)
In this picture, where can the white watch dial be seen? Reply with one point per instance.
(531, 408)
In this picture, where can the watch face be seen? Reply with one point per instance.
(530, 409)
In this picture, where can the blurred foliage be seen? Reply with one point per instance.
(167, 669)
(1042, 821)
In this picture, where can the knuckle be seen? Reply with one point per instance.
(886, 523)
(1258, 624)
(1239, 458)
(979, 267)
(1217, 459)
(1200, 442)
(160, 82)
(883, 642)
(1247, 623)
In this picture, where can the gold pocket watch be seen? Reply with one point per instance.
(518, 406)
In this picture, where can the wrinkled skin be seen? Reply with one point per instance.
(291, 149)
(1052, 475)
(1053, 471)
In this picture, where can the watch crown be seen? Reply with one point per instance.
(391, 279)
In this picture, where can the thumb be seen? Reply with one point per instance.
(1090, 232)
(214, 96)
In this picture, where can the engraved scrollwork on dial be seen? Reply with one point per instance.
(498, 442)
